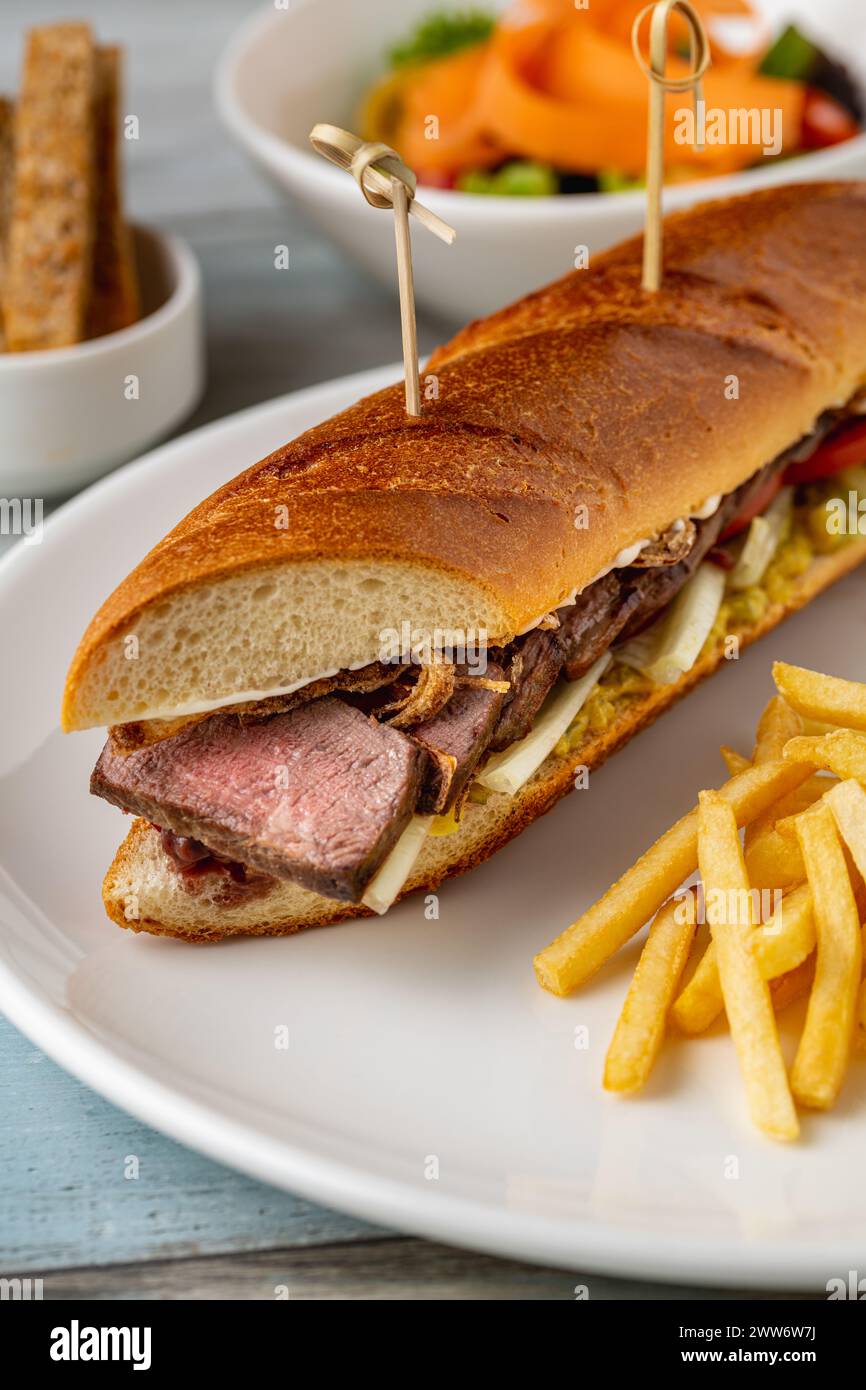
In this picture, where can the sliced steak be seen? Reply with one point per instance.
(532, 678)
(318, 795)
(647, 592)
(455, 739)
(593, 622)
(651, 590)
(614, 607)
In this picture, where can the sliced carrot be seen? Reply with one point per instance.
(586, 65)
(527, 30)
(561, 86)
(617, 17)
(569, 136)
(447, 91)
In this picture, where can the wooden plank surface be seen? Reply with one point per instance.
(66, 1197)
(389, 1269)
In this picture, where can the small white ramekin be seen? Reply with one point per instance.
(70, 414)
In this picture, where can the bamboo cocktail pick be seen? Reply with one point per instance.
(386, 181)
(699, 57)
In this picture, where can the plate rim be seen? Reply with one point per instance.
(578, 1245)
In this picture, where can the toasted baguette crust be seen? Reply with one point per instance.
(588, 394)
(140, 868)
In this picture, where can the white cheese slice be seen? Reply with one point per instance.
(673, 644)
(507, 771)
(762, 541)
(384, 887)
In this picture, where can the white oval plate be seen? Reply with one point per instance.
(428, 1084)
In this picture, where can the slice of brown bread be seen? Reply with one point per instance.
(7, 167)
(114, 300)
(48, 272)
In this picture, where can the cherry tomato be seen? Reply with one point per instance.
(825, 121)
(720, 557)
(436, 178)
(759, 503)
(844, 449)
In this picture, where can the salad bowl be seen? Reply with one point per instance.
(286, 69)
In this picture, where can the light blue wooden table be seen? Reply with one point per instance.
(186, 1227)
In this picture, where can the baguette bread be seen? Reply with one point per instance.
(585, 417)
(142, 891)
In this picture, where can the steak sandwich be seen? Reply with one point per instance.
(374, 657)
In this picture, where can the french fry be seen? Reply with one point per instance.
(779, 946)
(777, 725)
(114, 297)
(825, 1046)
(847, 801)
(584, 947)
(842, 752)
(802, 797)
(826, 699)
(700, 1002)
(769, 864)
(745, 992)
(51, 227)
(787, 828)
(817, 726)
(774, 861)
(734, 761)
(787, 937)
(790, 808)
(641, 1025)
(795, 984)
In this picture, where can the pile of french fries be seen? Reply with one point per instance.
(67, 266)
(785, 910)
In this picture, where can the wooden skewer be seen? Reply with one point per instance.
(386, 181)
(699, 54)
(431, 221)
(406, 285)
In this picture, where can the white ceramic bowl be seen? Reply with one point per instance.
(287, 69)
(69, 414)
